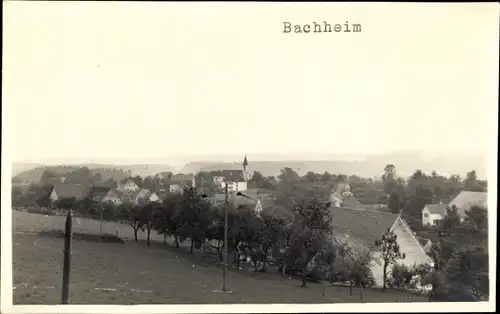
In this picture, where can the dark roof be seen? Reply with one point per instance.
(98, 192)
(466, 199)
(181, 178)
(437, 208)
(68, 190)
(232, 175)
(363, 225)
(350, 202)
(423, 241)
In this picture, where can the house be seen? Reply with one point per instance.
(113, 196)
(64, 190)
(180, 181)
(129, 186)
(236, 180)
(363, 227)
(433, 213)
(467, 199)
(236, 199)
(98, 192)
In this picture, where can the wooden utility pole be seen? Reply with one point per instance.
(224, 272)
(68, 233)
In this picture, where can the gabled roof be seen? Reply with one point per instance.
(181, 178)
(350, 202)
(437, 208)
(466, 199)
(68, 190)
(232, 175)
(363, 225)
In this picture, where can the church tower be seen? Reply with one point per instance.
(245, 168)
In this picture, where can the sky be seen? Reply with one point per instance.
(151, 80)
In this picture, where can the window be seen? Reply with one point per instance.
(426, 215)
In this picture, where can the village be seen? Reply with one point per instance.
(177, 210)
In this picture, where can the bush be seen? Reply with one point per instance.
(401, 276)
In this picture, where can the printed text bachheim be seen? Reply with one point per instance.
(324, 27)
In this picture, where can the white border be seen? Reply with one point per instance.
(6, 240)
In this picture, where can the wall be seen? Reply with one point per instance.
(431, 218)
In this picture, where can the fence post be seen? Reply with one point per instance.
(67, 257)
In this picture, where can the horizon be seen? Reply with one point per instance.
(231, 158)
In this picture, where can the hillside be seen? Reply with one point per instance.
(117, 172)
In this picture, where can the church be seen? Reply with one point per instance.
(236, 180)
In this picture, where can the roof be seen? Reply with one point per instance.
(423, 241)
(180, 178)
(98, 192)
(68, 190)
(363, 225)
(437, 208)
(466, 199)
(232, 175)
(350, 202)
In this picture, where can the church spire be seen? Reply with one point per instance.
(245, 162)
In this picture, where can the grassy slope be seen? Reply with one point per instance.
(164, 274)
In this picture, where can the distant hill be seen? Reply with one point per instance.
(371, 166)
(117, 172)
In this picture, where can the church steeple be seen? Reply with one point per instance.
(245, 168)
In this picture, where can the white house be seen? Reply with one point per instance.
(362, 228)
(432, 213)
(128, 186)
(113, 196)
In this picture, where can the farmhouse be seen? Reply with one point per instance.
(113, 196)
(363, 227)
(61, 191)
(467, 199)
(433, 213)
(129, 186)
(179, 181)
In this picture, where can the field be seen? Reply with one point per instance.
(133, 273)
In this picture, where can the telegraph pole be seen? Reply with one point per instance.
(224, 269)
(67, 257)
(224, 273)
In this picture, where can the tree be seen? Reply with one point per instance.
(146, 214)
(390, 252)
(312, 227)
(167, 219)
(195, 215)
(394, 202)
(131, 214)
(468, 268)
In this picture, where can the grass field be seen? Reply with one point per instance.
(133, 273)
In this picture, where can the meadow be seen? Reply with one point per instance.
(133, 273)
